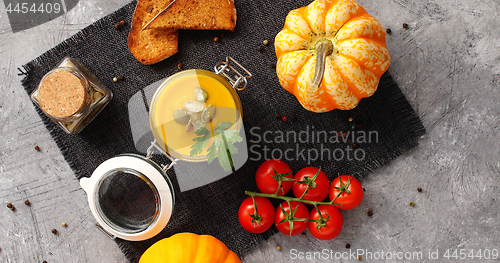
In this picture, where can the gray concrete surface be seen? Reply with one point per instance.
(448, 65)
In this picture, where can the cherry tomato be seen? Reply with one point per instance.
(299, 211)
(269, 175)
(249, 221)
(352, 192)
(331, 227)
(318, 187)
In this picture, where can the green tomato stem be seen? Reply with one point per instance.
(289, 199)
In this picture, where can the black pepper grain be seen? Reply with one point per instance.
(355, 146)
(179, 66)
(54, 231)
(13, 208)
(347, 246)
(405, 25)
(118, 26)
(37, 148)
(45, 261)
(121, 77)
(303, 234)
(369, 213)
(359, 125)
(388, 31)
(9, 205)
(293, 117)
(216, 39)
(260, 48)
(123, 22)
(278, 116)
(419, 189)
(27, 202)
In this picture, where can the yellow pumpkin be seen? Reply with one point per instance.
(331, 54)
(189, 248)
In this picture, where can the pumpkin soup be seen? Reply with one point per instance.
(187, 101)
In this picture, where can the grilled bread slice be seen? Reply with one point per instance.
(196, 14)
(150, 46)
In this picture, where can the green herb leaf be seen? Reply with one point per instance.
(202, 141)
(223, 126)
(222, 147)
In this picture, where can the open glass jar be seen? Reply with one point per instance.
(131, 196)
(194, 99)
(71, 95)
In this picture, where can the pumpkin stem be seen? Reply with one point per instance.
(324, 49)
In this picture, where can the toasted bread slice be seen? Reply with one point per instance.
(196, 14)
(150, 46)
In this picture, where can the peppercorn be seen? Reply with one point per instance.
(27, 202)
(64, 224)
(278, 248)
(293, 117)
(115, 79)
(123, 22)
(54, 231)
(121, 77)
(355, 146)
(13, 208)
(369, 213)
(405, 25)
(412, 203)
(37, 148)
(303, 234)
(359, 258)
(260, 49)
(9, 205)
(179, 66)
(216, 39)
(359, 125)
(388, 31)
(351, 119)
(118, 26)
(345, 134)
(45, 261)
(278, 116)
(419, 189)
(265, 42)
(347, 246)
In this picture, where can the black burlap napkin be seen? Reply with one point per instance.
(378, 130)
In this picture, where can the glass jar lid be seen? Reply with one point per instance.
(130, 197)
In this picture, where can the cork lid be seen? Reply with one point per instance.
(61, 94)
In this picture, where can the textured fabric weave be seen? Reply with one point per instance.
(212, 209)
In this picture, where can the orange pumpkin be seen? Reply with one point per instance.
(331, 54)
(189, 248)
